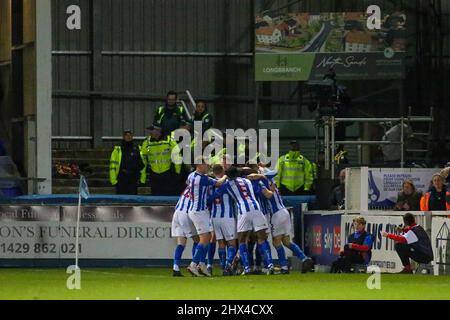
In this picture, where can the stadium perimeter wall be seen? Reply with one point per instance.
(110, 236)
(326, 233)
(369, 191)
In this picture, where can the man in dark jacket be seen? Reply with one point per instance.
(337, 197)
(413, 243)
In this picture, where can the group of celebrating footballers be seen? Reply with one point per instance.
(238, 209)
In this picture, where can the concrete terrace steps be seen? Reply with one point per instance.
(82, 154)
(90, 161)
(74, 182)
(97, 161)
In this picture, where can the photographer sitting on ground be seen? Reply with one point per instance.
(358, 251)
(413, 243)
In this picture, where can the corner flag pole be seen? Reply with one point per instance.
(78, 230)
(83, 193)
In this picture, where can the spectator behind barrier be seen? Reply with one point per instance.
(337, 197)
(438, 198)
(409, 198)
(445, 173)
(358, 251)
(413, 243)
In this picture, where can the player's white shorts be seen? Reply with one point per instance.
(201, 221)
(182, 226)
(225, 228)
(253, 220)
(268, 218)
(281, 223)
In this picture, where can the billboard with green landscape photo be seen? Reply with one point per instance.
(300, 46)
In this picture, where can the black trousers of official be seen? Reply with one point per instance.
(300, 192)
(127, 185)
(164, 184)
(407, 252)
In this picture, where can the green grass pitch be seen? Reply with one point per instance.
(158, 284)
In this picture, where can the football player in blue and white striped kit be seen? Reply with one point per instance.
(199, 214)
(281, 229)
(223, 217)
(182, 229)
(250, 216)
(262, 193)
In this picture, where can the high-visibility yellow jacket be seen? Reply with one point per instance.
(294, 172)
(158, 155)
(160, 114)
(116, 161)
(218, 158)
(315, 170)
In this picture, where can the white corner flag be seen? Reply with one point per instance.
(84, 189)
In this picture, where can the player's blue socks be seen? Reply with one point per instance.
(267, 254)
(211, 253)
(200, 252)
(177, 257)
(251, 248)
(297, 251)
(205, 253)
(231, 254)
(223, 257)
(194, 246)
(258, 257)
(282, 256)
(243, 250)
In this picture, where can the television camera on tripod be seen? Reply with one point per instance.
(332, 99)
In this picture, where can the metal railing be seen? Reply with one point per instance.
(330, 142)
(118, 138)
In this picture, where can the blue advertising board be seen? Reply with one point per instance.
(323, 237)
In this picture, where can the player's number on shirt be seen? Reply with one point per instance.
(244, 190)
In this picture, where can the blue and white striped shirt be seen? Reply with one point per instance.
(242, 193)
(258, 185)
(276, 202)
(185, 201)
(199, 185)
(222, 207)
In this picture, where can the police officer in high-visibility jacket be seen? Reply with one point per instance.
(240, 152)
(169, 117)
(161, 171)
(127, 166)
(295, 172)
